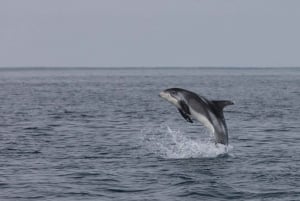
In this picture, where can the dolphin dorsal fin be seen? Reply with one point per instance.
(220, 104)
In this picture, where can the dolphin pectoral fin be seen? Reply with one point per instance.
(184, 107)
(185, 111)
(185, 116)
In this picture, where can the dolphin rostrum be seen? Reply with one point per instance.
(208, 112)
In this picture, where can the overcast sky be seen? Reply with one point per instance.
(149, 33)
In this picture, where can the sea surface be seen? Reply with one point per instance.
(104, 134)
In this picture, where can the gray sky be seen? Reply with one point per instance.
(149, 33)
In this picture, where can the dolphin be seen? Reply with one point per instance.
(208, 112)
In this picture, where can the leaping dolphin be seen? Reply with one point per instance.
(209, 113)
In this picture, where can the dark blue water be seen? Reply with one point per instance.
(75, 134)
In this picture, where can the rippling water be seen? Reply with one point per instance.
(104, 134)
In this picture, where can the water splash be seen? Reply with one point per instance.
(173, 143)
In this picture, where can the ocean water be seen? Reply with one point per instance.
(104, 134)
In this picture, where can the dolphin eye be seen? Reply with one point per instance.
(173, 92)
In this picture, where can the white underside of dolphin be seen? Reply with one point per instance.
(201, 118)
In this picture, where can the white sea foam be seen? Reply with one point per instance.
(173, 143)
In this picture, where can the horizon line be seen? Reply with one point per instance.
(136, 67)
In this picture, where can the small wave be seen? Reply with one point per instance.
(173, 144)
